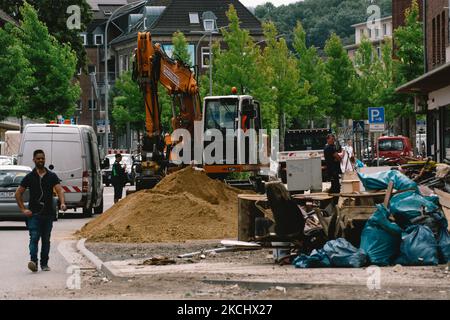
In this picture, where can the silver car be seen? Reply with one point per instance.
(10, 178)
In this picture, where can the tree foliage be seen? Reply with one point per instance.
(340, 69)
(54, 15)
(320, 18)
(15, 73)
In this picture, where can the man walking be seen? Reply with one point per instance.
(41, 210)
(118, 177)
(333, 161)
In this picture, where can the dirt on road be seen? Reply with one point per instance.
(185, 205)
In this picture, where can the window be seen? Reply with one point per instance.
(377, 33)
(193, 18)
(98, 39)
(438, 40)
(120, 64)
(92, 104)
(107, 12)
(209, 25)
(391, 145)
(125, 63)
(433, 36)
(370, 33)
(379, 52)
(361, 33)
(205, 57)
(84, 39)
(443, 54)
(385, 29)
(92, 69)
(79, 105)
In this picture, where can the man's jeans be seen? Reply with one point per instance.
(40, 227)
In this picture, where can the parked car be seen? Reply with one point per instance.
(72, 153)
(10, 178)
(394, 147)
(6, 161)
(127, 159)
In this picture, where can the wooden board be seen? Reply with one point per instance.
(447, 215)
(241, 244)
(444, 197)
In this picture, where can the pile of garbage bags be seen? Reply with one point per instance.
(418, 237)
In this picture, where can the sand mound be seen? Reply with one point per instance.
(185, 205)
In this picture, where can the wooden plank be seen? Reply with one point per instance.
(447, 215)
(388, 194)
(444, 197)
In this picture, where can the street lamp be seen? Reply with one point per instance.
(130, 6)
(210, 27)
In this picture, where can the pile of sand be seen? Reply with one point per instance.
(185, 205)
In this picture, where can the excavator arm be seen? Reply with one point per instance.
(153, 66)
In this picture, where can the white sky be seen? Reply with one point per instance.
(254, 3)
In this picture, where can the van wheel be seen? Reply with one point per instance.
(99, 209)
(87, 212)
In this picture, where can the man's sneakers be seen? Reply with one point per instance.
(45, 268)
(32, 266)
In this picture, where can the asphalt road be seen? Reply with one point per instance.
(16, 281)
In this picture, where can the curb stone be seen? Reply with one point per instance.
(99, 264)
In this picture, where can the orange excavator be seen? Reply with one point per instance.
(153, 66)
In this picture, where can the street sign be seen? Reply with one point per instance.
(358, 126)
(376, 127)
(376, 115)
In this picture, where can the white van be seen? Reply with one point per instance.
(71, 152)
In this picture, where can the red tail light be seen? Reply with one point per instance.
(85, 182)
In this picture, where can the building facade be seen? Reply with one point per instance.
(432, 89)
(375, 32)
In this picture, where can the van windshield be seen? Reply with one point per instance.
(390, 145)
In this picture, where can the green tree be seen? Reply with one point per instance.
(313, 75)
(53, 91)
(410, 53)
(54, 15)
(128, 104)
(15, 73)
(239, 65)
(340, 68)
(180, 48)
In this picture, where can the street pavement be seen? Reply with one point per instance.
(16, 281)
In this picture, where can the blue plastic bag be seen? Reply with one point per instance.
(418, 247)
(380, 238)
(343, 254)
(380, 180)
(408, 205)
(444, 246)
(317, 259)
(335, 253)
(359, 163)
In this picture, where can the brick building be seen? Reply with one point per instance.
(432, 89)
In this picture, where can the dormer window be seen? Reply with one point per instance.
(107, 12)
(98, 39)
(83, 39)
(209, 25)
(193, 18)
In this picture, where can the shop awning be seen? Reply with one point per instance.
(430, 81)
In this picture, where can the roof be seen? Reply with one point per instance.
(430, 81)
(14, 167)
(95, 3)
(175, 17)
(7, 18)
(366, 22)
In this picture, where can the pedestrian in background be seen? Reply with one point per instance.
(118, 177)
(348, 158)
(41, 210)
(333, 160)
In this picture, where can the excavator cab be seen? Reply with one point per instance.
(228, 114)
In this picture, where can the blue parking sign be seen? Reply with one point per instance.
(376, 115)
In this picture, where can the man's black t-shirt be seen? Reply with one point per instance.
(333, 166)
(41, 191)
